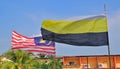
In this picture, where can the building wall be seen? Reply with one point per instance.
(117, 61)
(91, 62)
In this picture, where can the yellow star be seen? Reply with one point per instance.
(42, 41)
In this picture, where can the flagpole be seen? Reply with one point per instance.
(54, 67)
(108, 41)
(87, 62)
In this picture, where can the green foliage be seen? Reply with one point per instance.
(23, 60)
(41, 55)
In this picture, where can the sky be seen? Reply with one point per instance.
(26, 16)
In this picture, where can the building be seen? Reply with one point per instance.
(91, 62)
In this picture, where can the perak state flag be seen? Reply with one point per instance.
(89, 31)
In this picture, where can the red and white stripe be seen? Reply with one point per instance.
(42, 51)
(25, 43)
(19, 40)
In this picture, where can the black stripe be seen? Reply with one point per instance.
(84, 39)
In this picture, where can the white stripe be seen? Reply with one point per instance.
(83, 17)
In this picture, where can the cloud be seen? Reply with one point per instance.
(114, 22)
(114, 18)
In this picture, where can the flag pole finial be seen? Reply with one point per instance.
(105, 9)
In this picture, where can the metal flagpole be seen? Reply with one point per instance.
(108, 41)
(87, 62)
(54, 67)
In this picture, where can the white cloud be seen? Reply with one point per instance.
(114, 18)
(114, 22)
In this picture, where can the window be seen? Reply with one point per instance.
(101, 65)
(86, 65)
(71, 63)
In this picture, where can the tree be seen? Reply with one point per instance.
(20, 60)
(56, 61)
(42, 55)
(24, 60)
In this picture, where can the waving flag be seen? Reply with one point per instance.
(90, 31)
(35, 44)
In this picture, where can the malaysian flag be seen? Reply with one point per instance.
(35, 44)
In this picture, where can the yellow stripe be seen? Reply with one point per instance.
(81, 26)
